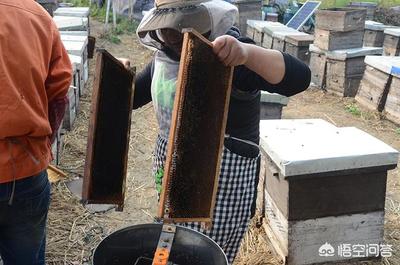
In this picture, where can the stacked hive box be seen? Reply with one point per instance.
(391, 43)
(380, 86)
(255, 31)
(338, 65)
(248, 9)
(370, 7)
(373, 33)
(73, 24)
(323, 195)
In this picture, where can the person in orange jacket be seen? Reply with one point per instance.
(35, 75)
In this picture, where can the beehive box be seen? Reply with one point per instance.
(248, 9)
(373, 33)
(337, 40)
(278, 38)
(324, 187)
(79, 49)
(268, 31)
(298, 46)
(79, 71)
(340, 19)
(370, 7)
(376, 81)
(82, 12)
(71, 110)
(392, 105)
(391, 43)
(271, 105)
(67, 23)
(255, 29)
(345, 69)
(317, 66)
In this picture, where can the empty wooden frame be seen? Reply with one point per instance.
(109, 128)
(197, 133)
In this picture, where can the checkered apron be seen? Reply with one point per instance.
(234, 198)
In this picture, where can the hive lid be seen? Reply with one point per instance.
(300, 147)
(267, 97)
(260, 24)
(377, 26)
(281, 34)
(387, 64)
(70, 23)
(72, 11)
(354, 52)
(393, 31)
(300, 40)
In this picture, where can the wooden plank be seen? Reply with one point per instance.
(374, 88)
(340, 19)
(300, 40)
(318, 69)
(108, 135)
(306, 237)
(335, 40)
(300, 52)
(197, 132)
(392, 106)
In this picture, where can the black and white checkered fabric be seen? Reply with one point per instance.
(234, 198)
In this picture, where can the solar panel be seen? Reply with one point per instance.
(304, 13)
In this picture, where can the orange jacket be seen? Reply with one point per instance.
(34, 71)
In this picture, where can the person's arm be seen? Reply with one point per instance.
(142, 94)
(57, 82)
(257, 68)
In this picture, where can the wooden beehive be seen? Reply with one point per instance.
(322, 190)
(373, 33)
(248, 9)
(68, 23)
(298, 46)
(370, 8)
(340, 19)
(108, 135)
(317, 66)
(197, 133)
(271, 105)
(278, 38)
(78, 72)
(337, 40)
(376, 82)
(268, 31)
(391, 43)
(345, 69)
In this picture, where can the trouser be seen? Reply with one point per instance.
(23, 220)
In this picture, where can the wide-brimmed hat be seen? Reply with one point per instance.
(176, 14)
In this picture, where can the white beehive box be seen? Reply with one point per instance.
(323, 184)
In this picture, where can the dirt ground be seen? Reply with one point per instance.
(73, 231)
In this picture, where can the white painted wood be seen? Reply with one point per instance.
(308, 146)
(260, 24)
(387, 64)
(277, 221)
(393, 31)
(74, 33)
(71, 23)
(314, 48)
(273, 98)
(72, 11)
(376, 26)
(77, 38)
(281, 35)
(342, 55)
(75, 47)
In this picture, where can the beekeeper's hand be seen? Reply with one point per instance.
(126, 62)
(230, 51)
(269, 64)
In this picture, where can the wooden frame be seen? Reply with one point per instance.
(201, 76)
(108, 136)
